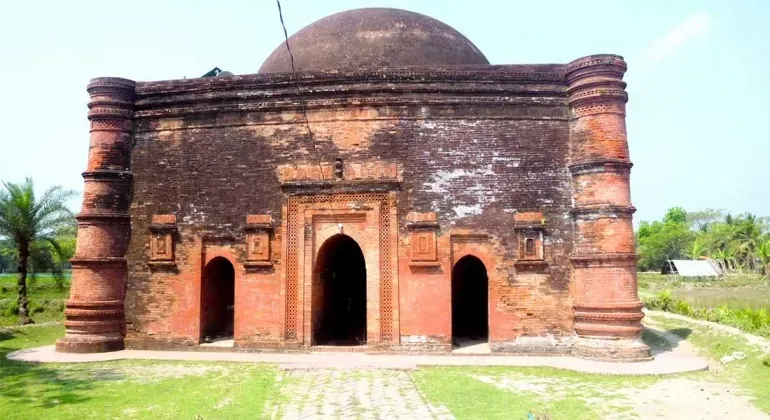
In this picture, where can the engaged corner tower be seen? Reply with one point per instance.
(95, 314)
(608, 311)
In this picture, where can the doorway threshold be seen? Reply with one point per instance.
(468, 346)
(359, 348)
(219, 342)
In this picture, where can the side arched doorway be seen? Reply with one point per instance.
(470, 301)
(339, 293)
(217, 300)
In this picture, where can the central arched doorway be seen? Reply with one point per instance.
(470, 297)
(217, 300)
(339, 293)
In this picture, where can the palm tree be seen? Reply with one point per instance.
(720, 258)
(729, 254)
(31, 224)
(748, 232)
(696, 250)
(763, 253)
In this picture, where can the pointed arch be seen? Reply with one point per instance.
(338, 306)
(470, 300)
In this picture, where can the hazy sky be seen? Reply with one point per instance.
(698, 76)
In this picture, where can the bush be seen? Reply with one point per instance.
(9, 307)
(747, 319)
(662, 301)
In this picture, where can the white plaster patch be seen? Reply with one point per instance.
(465, 211)
(442, 179)
(192, 215)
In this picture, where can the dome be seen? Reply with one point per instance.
(374, 37)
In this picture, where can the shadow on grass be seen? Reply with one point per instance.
(32, 385)
(664, 341)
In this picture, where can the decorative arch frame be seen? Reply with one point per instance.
(370, 219)
(465, 243)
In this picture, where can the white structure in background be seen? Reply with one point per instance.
(692, 268)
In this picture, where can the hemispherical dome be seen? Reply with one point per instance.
(374, 37)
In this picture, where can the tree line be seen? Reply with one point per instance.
(736, 242)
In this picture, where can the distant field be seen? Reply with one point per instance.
(46, 301)
(734, 291)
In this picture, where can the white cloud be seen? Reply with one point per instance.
(669, 43)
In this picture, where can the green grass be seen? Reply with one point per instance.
(163, 389)
(751, 373)
(656, 281)
(755, 321)
(125, 389)
(46, 300)
(555, 394)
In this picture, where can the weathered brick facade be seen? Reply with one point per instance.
(525, 167)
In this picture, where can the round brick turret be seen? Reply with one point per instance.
(607, 307)
(95, 315)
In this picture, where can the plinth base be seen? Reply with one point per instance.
(611, 350)
(89, 344)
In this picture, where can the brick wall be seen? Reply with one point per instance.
(473, 152)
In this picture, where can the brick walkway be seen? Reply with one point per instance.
(364, 394)
(680, 359)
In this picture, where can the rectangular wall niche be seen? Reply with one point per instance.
(259, 228)
(423, 227)
(530, 229)
(163, 228)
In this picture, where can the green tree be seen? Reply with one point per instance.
(748, 232)
(7, 256)
(763, 252)
(31, 223)
(701, 221)
(667, 240)
(696, 249)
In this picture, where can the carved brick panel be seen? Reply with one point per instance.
(353, 171)
(163, 227)
(530, 229)
(162, 247)
(424, 228)
(259, 228)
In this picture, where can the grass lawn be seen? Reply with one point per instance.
(204, 390)
(736, 291)
(125, 389)
(515, 393)
(46, 300)
(751, 373)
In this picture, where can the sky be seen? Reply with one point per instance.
(698, 80)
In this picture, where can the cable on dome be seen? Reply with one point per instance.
(303, 106)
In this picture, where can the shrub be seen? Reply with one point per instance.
(9, 308)
(683, 308)
(662, 301)
(756, 321)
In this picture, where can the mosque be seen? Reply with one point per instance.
(380, 188)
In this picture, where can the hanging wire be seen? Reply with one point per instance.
(304, 107)
(296, 79)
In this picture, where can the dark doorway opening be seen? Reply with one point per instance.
(470, 291)
(217, 300)
(339, 293)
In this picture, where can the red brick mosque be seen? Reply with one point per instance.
(396, 193)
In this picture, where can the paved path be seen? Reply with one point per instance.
(342, 394)
(675, 361)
